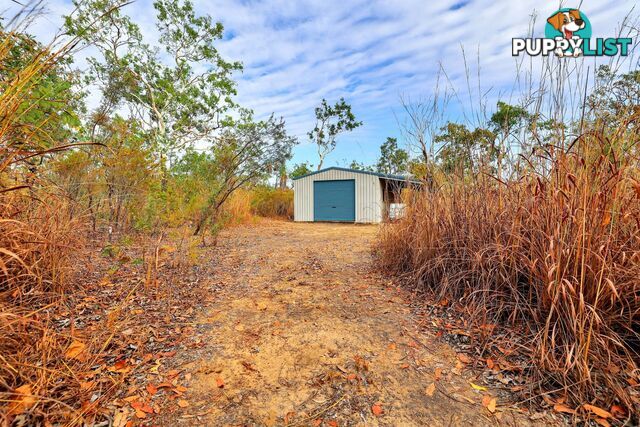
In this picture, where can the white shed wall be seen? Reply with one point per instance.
(369, 203)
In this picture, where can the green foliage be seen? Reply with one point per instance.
(49, 113)
(465, 150)
(393, 160)
(330, 122)
(359, 166)
(179, 99)
(300, 169)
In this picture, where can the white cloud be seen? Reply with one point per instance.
(297, 52)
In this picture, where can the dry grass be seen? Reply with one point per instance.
(553, 256)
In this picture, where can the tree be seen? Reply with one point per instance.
(300, 169)
(244, 152)
(464, 150)
(330, 122)
(393, 160)
(355, 165)
(180, 95)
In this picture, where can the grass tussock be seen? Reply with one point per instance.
(554, 256)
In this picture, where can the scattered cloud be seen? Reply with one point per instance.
(368, 51)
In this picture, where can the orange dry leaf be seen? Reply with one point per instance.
(491, 406)
(464, 358)
(220, 382)
(618, 411)
(437, 374)
(351, 377)
(490, 363)
(603, 422)
(152, 389)
(183, 403)
(23, 401)
(486, 399)
(598, 411)
(431, 389)
(74, 350)
(332, 423)
(317, 422)
(559, 407)
(377, 409)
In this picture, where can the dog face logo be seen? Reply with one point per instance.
(571, 25)
(567, 22)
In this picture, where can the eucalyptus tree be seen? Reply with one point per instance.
(330, 122)
(245, 151)
(181, 90)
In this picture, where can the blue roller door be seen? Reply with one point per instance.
(334, 200)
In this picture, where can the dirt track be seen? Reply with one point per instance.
(304, 333)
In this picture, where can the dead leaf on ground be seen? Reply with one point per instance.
(560, 407)
(152, 389)
(603, 422)
(75, 349)
(437, 374)
(377, 410)
(219, 382)
(431, 389)
(464, 358)
(491, 406)
(183, 403)
(23, 401)
(598, 411)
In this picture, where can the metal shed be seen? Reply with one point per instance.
(346, 195)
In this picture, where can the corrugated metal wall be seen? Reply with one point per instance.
(369, 202)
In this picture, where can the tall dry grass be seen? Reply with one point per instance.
(554, 256)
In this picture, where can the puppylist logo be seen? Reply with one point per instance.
(568, 34)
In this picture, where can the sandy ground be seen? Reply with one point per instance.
(304, 332)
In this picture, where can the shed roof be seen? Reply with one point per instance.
(378, 174)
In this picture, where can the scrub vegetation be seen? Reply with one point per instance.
(529, 223)
(147, 277)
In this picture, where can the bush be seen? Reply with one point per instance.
(275, 203)
(554, 256)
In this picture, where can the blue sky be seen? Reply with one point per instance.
(370, 52)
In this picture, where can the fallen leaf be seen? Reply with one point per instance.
(317, 422)
(603, 422)
(492, 405)
(598, 411)
(120, 417)
(75, 349)
(392, 346)
(559, 407)
(478, 387)
(618, 411)
(152, 389)
(464, 358)
(431, 389)
(404, 366)
(332, 423)
(140, 414)
(23, 401)
(351, 377)
(289, 416)
(486, 399)
(437, 374)
(183, 403)
(490, 363)
(220, 382)
(377, 409)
